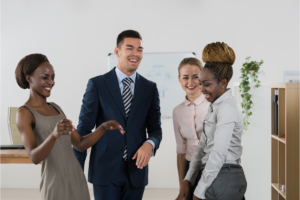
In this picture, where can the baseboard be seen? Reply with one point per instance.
(19, 187)
(90, 187)
(163, 186)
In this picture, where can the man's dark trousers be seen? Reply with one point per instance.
(103, 102)
(121, 189)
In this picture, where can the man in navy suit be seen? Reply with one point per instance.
(118, 166)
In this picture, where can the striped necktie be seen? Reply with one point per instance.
(127, 99)
(127, 96)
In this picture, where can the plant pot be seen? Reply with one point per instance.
(250, 76)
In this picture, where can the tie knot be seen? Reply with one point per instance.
(127, 81)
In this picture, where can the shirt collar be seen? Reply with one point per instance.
(217, 102)
(121, 75)
(197, 102)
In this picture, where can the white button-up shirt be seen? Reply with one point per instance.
(220, 142)
(120, 77)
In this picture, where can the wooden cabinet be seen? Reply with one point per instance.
(285, 145)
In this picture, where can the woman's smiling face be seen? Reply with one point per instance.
(209, 85)
(42, 79)
(189, 79)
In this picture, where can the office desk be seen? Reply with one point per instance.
(17, 156)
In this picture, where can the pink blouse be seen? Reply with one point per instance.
(188, 120)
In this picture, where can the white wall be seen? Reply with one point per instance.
(77, 36)
(256, 159)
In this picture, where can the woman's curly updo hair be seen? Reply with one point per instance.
(219, 58)
(27, 66)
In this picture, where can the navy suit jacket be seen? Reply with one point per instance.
(102, 102)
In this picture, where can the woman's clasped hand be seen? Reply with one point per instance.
(65, 127)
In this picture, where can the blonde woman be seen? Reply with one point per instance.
(188, 116)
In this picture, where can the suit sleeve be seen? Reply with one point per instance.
(154, 120)
(87, 117)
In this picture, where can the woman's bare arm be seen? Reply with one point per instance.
(83, 143)
(181, 165)
(37, 153)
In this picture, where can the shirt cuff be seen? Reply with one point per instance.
(153, 145)
(200, 190)
(181, 150)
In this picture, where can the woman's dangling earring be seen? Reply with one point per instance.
(222, 86)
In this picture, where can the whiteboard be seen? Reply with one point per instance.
(161, 68)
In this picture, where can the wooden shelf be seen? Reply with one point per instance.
(279, 139)
(17, 156)
(285, 85)
(276, 187)
(285, 152)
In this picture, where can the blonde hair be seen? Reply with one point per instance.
(219, 58)
(190, 61)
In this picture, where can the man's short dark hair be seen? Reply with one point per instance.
(127, 34)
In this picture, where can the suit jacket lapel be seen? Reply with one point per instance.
(113, 86)
(139, 90)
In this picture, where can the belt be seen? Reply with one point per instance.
(229, 166)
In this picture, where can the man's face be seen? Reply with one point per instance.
(129, 55)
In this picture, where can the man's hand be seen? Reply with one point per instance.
(143, 155)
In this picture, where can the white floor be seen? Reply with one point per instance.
(33, 194)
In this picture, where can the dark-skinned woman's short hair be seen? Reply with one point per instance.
(27, 66)
(219, 58)
(127, 34)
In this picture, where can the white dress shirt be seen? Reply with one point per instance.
(121, 76)
(220, 142)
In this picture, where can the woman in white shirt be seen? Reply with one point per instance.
(188, 117)
(219, 152)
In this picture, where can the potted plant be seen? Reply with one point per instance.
(250, 72)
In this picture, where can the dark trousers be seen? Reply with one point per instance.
(230, 184)
(121, 189)
(192, 188)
